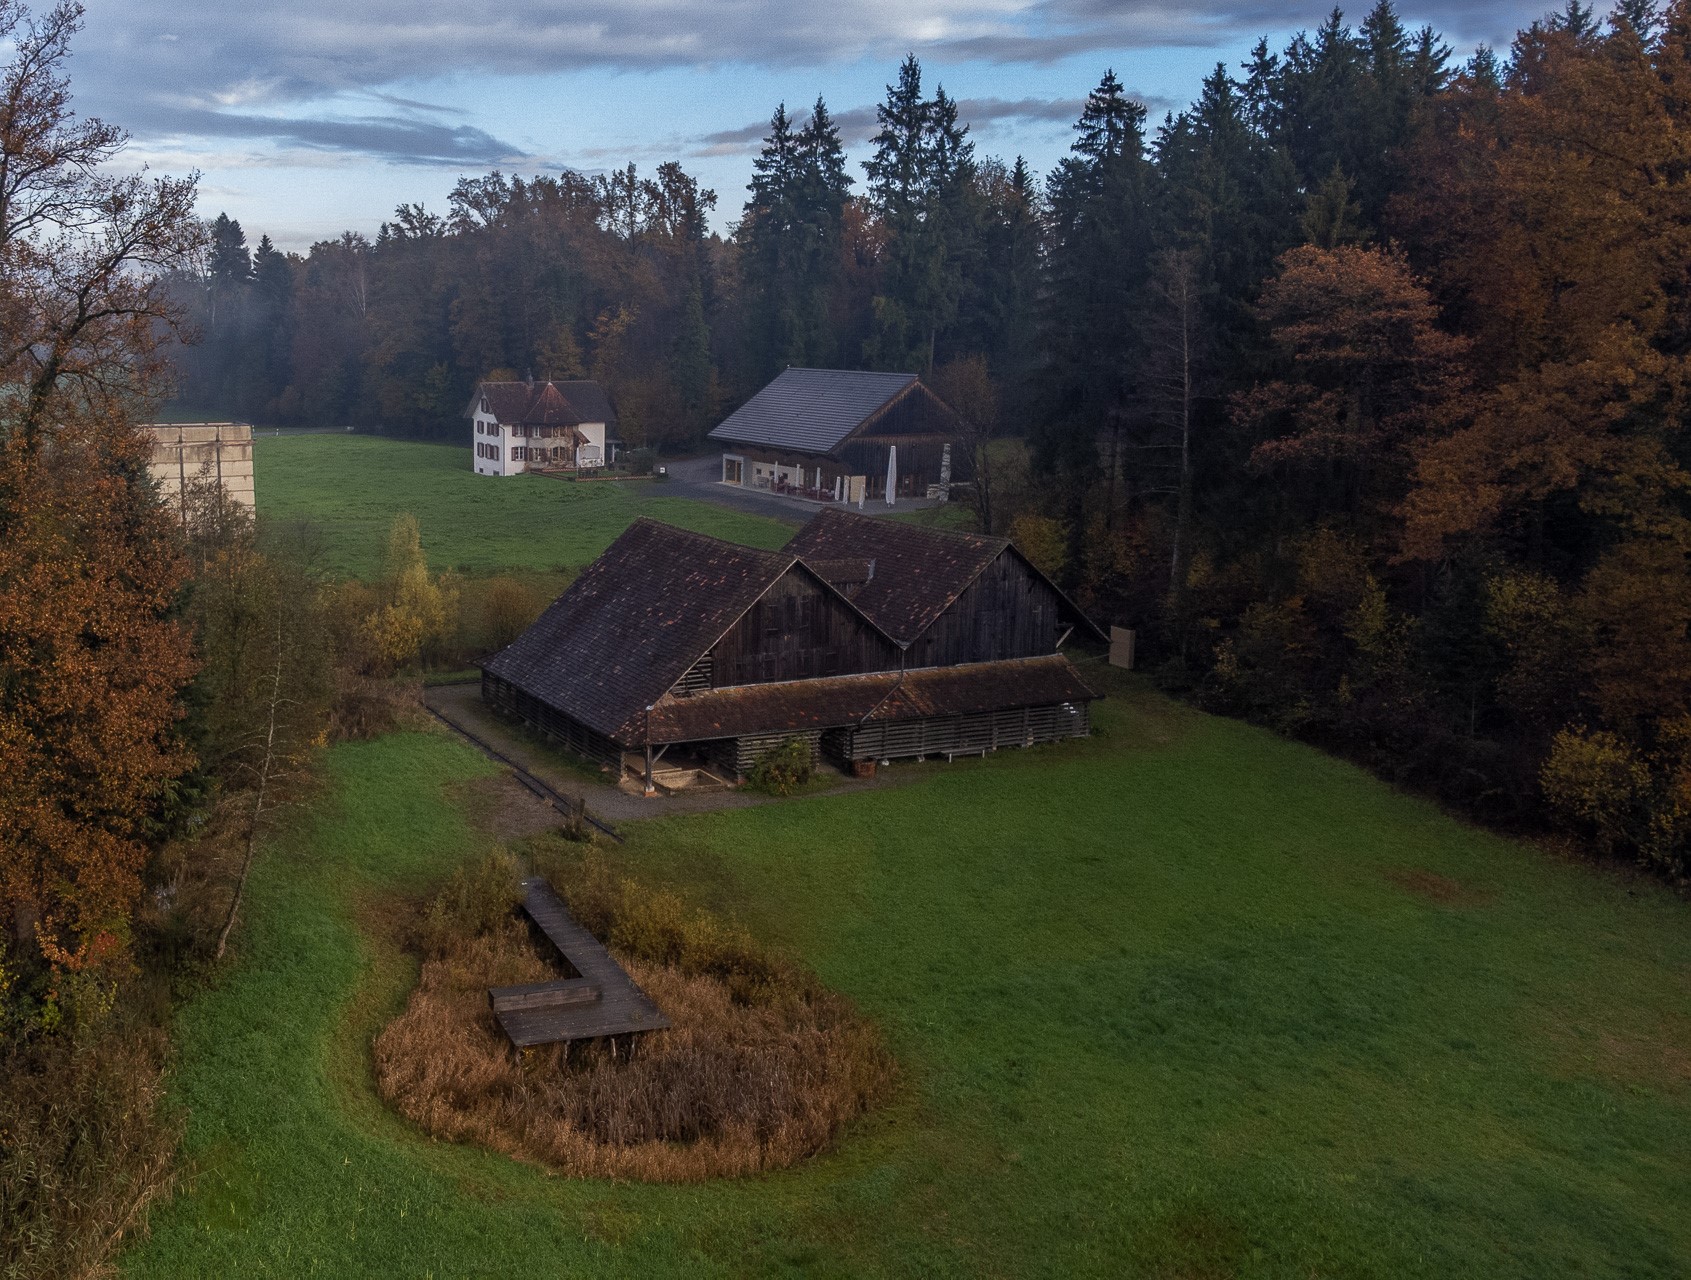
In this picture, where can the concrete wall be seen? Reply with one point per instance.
(189, 451)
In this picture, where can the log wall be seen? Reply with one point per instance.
(798, 631)
(958, 735)
(1007, 612)
(573, 736)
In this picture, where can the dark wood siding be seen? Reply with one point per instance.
(921, 462)
(798, 630)
(737, 757)
(511, 702)
(959, 735)
(1007, 612)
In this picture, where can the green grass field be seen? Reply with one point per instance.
(352, 487)
(1184, 1000)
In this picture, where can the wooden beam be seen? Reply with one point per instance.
(544, 995)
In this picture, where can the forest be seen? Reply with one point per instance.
(1356, 388)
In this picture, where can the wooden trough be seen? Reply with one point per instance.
(602, 1001)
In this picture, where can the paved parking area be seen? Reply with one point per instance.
(701, 479)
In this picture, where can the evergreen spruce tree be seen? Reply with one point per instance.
(766, 238)
(1099, 250)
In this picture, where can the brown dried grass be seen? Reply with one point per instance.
(762, 1067)
(85, 1148)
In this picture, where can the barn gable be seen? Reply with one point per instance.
(665, 609)
(949, 597)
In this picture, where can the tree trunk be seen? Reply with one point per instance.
(266, 765)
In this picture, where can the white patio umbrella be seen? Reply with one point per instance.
(892, 473)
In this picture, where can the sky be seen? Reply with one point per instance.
(323, 116)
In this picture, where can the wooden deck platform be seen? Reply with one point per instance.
(602, 1001)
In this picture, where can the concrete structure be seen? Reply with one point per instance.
(184, 452)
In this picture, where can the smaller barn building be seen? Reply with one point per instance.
(834, 435)
(540, 426)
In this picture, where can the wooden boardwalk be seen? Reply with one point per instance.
(601, 1000)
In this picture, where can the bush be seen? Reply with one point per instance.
(507, 609)
(784, 769)
(1595, 783)
(640, 461)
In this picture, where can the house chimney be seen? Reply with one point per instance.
(531, 377)
(871, 576)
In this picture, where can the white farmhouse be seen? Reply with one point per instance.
(540, 426)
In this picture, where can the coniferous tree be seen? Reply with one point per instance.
(1099, 261)
(767, 247)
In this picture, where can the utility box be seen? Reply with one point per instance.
(1121, 647)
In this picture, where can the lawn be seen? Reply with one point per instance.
(352, 487)
(1184, 1000)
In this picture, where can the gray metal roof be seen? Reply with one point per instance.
(811, 410)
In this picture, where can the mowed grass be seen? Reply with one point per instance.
(352, 487)
(1185, 1000)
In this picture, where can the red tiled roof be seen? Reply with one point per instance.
(544, 404)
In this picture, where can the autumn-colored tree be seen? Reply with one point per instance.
(91, 657)
(1551, 211)
(419, 611)
(1367, 372)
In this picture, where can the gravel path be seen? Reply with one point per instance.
(460, 705)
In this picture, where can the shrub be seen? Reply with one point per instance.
(507, 609)
(1595, 783)
(784, 769)
(640, 461)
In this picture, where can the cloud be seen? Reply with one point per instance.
(265, 71)
(315, 47)
(397, 139)
(858, 124)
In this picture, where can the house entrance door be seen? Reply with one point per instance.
(733, 470)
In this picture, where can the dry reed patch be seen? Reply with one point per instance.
(762, 1066)
(1442, 890)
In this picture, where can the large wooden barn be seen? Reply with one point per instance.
(868, 640)
(835, 435)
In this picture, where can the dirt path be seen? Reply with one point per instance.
(460, 705)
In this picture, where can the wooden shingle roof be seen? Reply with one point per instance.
(838, 701)
(633, 622)
(811, 410)
(916, 573)
(984, 686)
